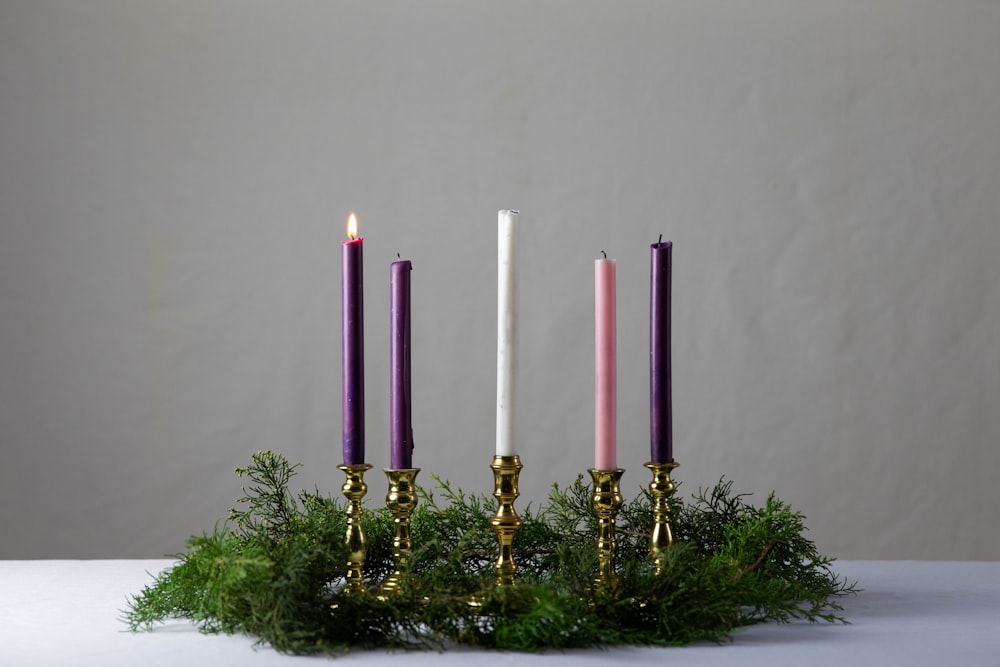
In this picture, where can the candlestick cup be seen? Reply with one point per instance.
(506, 522)
(607, 500)
(354, 490)
(400, 500)
(661, 488)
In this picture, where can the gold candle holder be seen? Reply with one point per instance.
(400, 500)
(661, 489)
(607, 500)
(506, 522)
(354, 490)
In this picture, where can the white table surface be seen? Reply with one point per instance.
(909, 613)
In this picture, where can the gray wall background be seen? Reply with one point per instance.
(175, 176)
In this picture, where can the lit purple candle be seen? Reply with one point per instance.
(661, 446)
(400, 425)
(353, 346)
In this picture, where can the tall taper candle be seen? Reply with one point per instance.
(400, 425)
(506, 329)
(661, 447)
(605, 366)
(353, 346)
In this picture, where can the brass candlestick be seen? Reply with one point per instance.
(354, 490)
(607, 500)
(661, 488)
(506, 522)
(400, 501)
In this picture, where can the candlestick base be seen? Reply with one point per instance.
(506, 522)
(661, 488)
(400, 500)
(354, 490)
(607, 500)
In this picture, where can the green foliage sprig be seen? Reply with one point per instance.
(274, 570)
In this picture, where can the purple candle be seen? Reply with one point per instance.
(661, 446)
(400, 425)
(353, 366)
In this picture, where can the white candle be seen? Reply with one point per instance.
(506, 329)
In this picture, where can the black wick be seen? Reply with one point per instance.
(605, 254)
(661, 239)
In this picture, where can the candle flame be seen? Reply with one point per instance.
(352, 226)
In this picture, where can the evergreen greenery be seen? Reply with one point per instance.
(274, 568)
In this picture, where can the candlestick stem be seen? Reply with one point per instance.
(661, 488)
(400, 500)
(607, 500)
(354, 490)
(506, 522)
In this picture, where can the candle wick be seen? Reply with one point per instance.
(605, 254)
(397, 256)
(661, 239)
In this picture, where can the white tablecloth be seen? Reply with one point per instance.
(909, 613)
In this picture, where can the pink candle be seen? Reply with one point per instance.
(606, 366)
